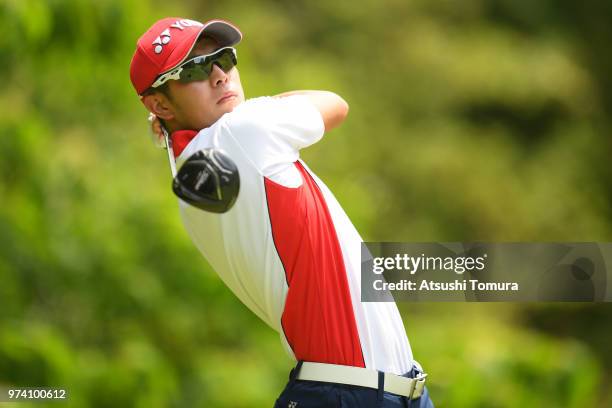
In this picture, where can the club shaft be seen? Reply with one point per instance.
(170, 153)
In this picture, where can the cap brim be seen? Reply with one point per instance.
(224, 32)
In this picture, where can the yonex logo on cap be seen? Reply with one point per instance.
(161, 40)
(165, 37)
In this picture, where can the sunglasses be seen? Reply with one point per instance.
(199, 68)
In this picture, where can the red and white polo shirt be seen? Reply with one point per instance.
(287, 249)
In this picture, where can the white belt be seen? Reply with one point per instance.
(362, 377)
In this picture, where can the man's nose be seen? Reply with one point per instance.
(218, 76)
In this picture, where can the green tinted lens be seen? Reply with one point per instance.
(226, 61)
(199, 69)
(195, 72)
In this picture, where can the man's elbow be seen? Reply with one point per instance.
(337, 114)
(343, 109)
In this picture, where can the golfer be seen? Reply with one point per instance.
(286, 248)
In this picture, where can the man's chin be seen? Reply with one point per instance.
(230, 106)
(232, 103)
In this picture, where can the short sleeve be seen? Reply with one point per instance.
(296, 121)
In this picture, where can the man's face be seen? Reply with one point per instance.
(199, 104)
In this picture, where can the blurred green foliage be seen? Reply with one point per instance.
(477, 120)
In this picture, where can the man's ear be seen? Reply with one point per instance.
(159, 105)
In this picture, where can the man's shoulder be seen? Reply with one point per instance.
(254, 102)
(251, 113)
(264, 110)
(252, 106)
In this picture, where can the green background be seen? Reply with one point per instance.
(474, 120)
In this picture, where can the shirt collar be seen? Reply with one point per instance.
(180, 140)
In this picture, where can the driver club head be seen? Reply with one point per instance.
(208, 180)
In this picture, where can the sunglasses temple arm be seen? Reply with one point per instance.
(169, 151)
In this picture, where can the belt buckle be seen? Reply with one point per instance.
(418, 380)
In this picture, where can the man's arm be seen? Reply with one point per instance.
(332, 107)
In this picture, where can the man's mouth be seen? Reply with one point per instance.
(227, 96)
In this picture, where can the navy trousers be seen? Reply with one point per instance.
(316, 394)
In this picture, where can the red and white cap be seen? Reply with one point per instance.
(169, 41)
